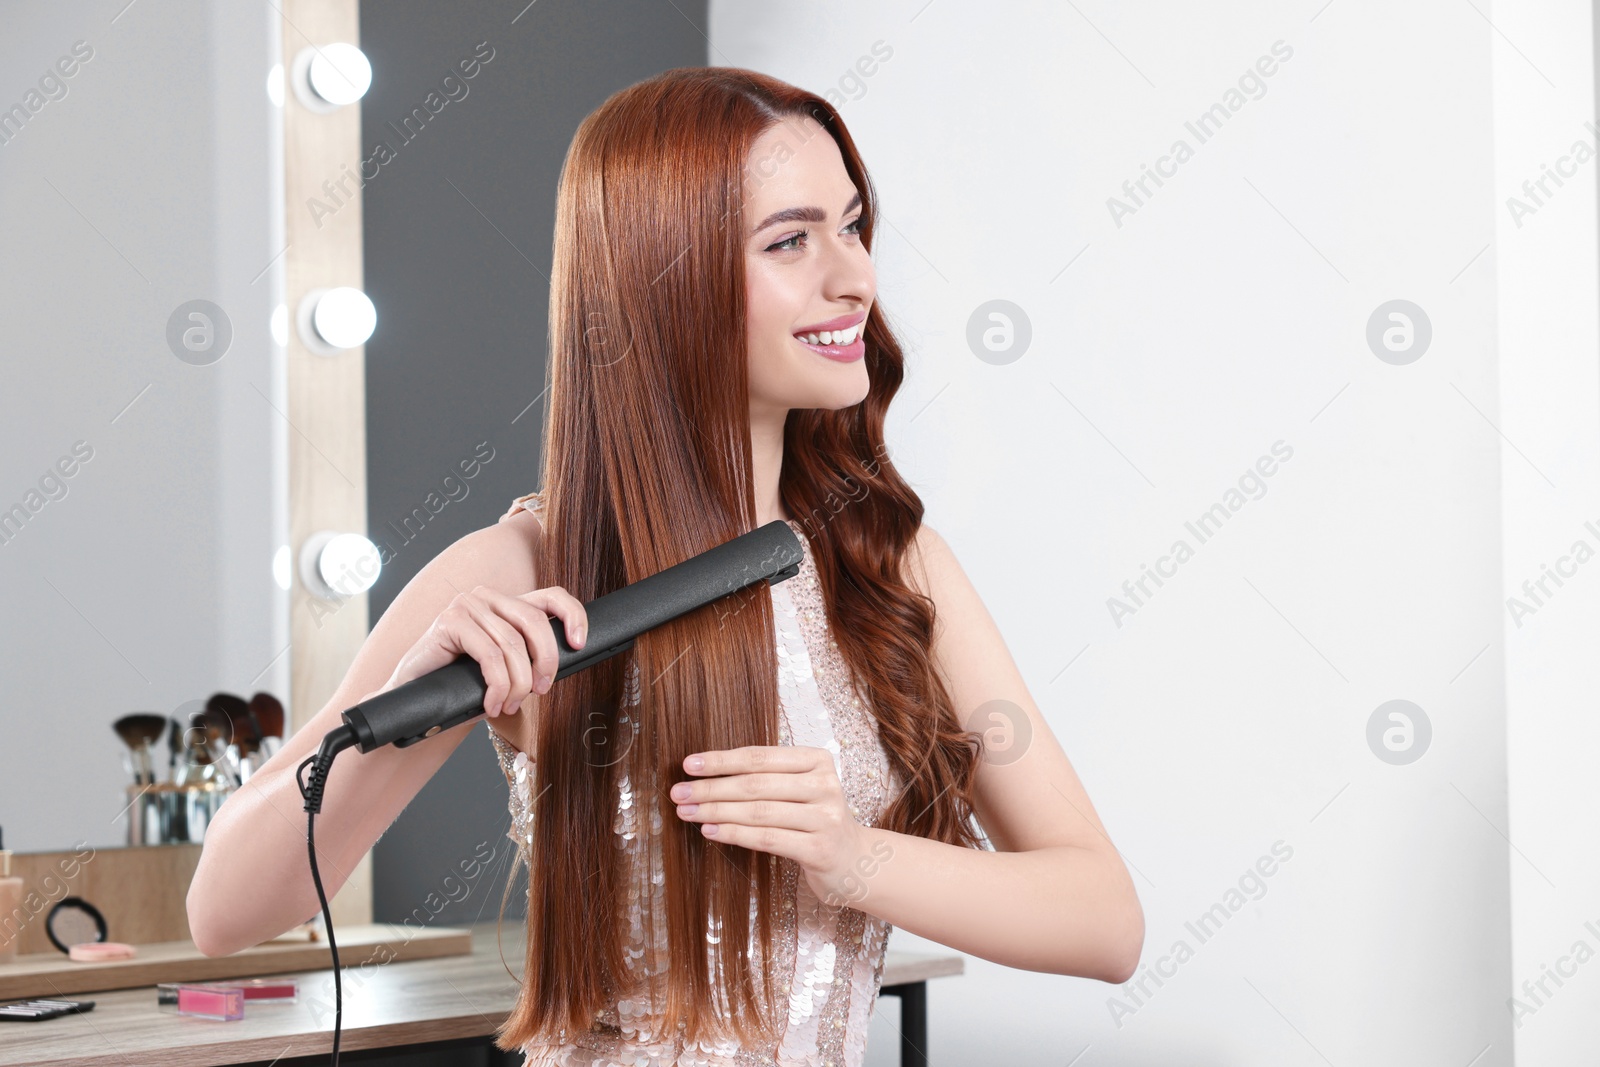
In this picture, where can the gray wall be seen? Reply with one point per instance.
(458, 230)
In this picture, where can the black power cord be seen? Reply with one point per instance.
(336, 740)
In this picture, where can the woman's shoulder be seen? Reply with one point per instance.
(525, 520)
(499, 555)
(526, 527)
(927, 554)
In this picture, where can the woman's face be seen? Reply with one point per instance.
(804, 270)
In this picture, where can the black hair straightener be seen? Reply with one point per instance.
(454, 693)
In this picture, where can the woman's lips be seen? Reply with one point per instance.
(839, 353)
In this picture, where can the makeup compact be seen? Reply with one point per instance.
(73, 921)
(77, 928)
(100, 951)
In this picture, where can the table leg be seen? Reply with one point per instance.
(913, 1022)
(496, 1058)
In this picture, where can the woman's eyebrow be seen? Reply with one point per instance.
(804, 214)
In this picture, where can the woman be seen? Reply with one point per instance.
(722, 825)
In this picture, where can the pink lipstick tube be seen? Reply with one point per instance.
(221, 1002)
(263, 990)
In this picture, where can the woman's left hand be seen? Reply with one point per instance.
(782, 799)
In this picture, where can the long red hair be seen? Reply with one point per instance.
(646, 463)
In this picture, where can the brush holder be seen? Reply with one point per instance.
(144, 814)
(167, 814)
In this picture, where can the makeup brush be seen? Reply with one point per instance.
(205, 742)
(269, 717)
(211, 731)
(244, 730)
(246, 747)
(247, 733)
(229, 710)
(175, 747)
(138, 730)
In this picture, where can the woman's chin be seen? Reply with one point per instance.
(837, 386)
(840, 394)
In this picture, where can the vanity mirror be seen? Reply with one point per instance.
(182, 464)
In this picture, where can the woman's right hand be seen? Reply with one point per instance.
(509, 636)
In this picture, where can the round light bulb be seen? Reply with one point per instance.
(280, 567)
(343, 317)
(275, 85)
(349, 564)
(327, 77)
(339, 73)
(336, 565)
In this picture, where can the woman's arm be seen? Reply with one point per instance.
(1056, 896)
(254, 880)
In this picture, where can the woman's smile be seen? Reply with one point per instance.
(846, 353)
(837, 339)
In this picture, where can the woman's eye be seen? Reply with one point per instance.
(788, 243)
(784, 245)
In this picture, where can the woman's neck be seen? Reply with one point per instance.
(766, 458)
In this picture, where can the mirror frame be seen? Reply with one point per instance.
(327, 453)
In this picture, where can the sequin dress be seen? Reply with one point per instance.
(831, 958)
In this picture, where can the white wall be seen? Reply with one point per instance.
(1231, 711)
(150, 183)
(1544, 104)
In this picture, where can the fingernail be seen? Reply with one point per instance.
(695, 763)
(579, 634)
(544, 684)
(709, 829)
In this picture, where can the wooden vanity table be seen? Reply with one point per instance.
(446, 1002)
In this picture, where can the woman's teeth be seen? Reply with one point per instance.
(832, 337)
